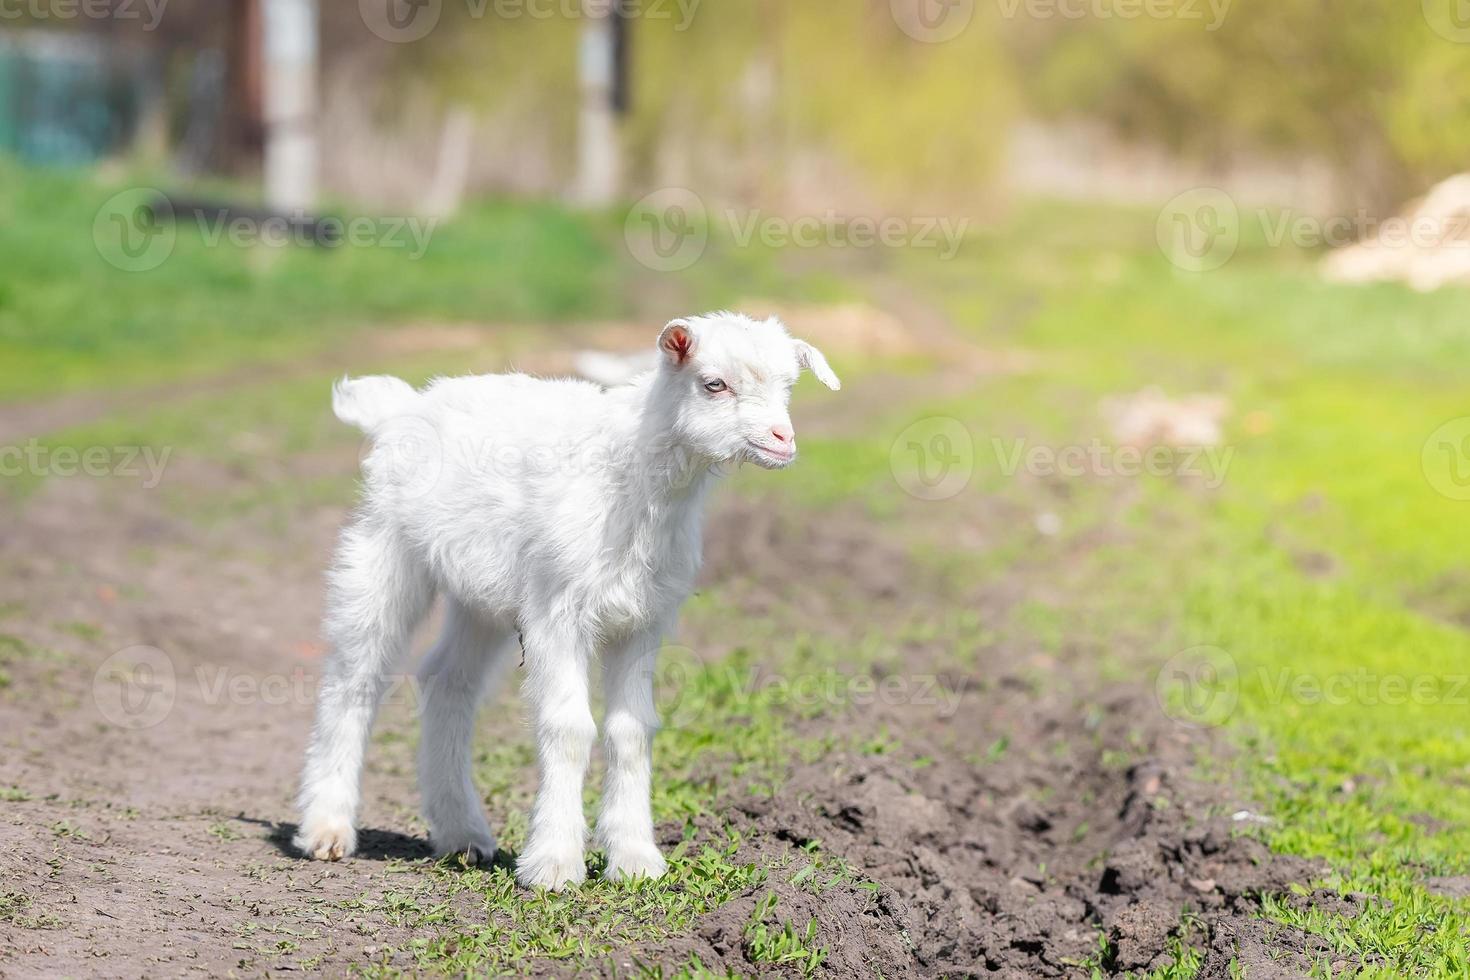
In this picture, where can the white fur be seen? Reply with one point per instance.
(563, 512)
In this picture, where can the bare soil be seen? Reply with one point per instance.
(1046, 811)
(1049, 810)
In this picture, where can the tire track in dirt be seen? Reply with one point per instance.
(1048, 810)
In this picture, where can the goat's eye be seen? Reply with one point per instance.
(716, 386)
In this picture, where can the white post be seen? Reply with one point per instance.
(290, 28)
(598, 164)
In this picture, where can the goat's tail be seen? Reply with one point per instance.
(369, 402)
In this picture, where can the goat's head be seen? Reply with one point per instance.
(730, 377)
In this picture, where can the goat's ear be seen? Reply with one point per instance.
(677, 342)
(811, 359)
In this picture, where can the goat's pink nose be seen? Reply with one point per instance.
(783, 433)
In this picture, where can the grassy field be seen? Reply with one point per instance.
(72, 319)
(1324, 569)
(1330, 565)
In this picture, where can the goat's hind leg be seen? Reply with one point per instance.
(468, 661)
(376, 596)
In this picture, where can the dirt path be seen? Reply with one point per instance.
(147, 836)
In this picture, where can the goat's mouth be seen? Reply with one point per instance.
(770, 457)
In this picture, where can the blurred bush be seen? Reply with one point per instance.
(1368, 86)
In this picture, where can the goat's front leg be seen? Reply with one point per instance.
(556, 690)
(625, 823)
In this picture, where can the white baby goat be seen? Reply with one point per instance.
(563, 513)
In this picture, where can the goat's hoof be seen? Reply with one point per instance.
(326, 841)
(639, 861)
(474, 851)
(544, 869)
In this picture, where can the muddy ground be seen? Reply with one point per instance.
(1047, 810)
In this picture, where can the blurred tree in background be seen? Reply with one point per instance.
(831, 104)
(1368, 86)
(771, 99)
(784, 98)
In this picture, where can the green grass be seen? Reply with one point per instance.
(15, 651)
(578, 926)
(1183, 962)
(71, 319)
(209, 306)
(1352, 682)
(772, 942)
(15, 910)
